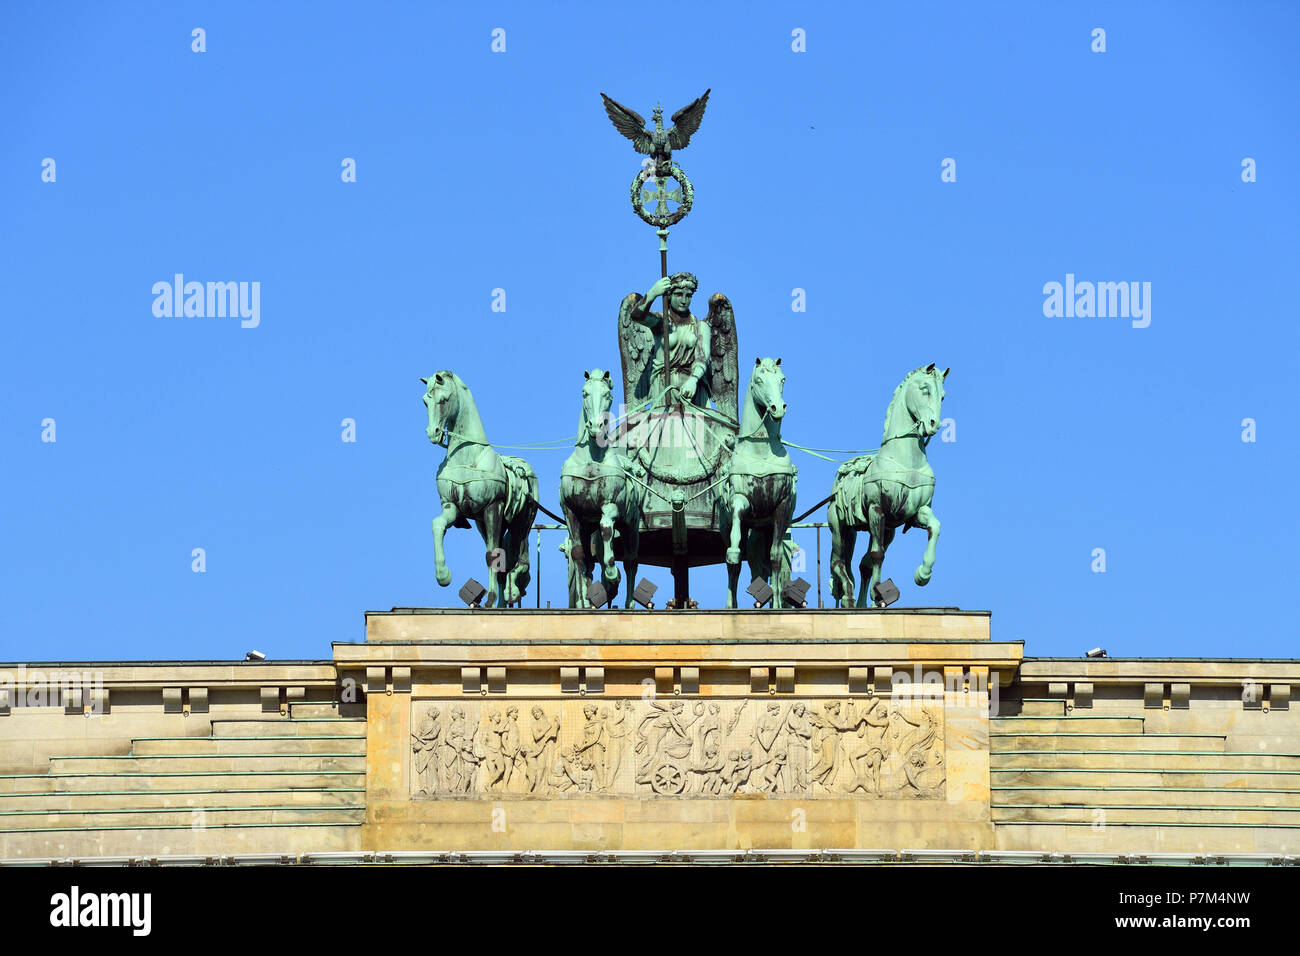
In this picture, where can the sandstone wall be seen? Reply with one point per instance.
(458, 730)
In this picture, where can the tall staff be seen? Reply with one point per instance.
(658, 144)
(663, 274)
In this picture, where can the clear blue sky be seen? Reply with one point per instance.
(478, 170)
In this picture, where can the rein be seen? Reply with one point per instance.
(923, 439)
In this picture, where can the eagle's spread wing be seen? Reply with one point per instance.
(630, 123)
(685, 121)
(724, 360)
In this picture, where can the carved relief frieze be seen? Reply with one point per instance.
(866, 748)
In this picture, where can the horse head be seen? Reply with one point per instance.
(442, 400)
(922, 399)
(765, 397)
(597, 400)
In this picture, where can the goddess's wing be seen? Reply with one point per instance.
(724, 358)
(636, 346)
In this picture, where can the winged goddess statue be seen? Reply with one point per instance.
(658, 143)
(698, 361)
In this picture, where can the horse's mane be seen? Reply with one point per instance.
(898, 390)
(456, 380)
(582, 423)
(749, 418)
(465, 407)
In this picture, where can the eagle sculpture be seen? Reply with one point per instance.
(658, 143)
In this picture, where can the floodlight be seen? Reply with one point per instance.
(796, 593)
(760, 590)
(886, 592)
(472, 593)
(645, 594)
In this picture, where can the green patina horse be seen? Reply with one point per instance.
(891, 488)
(498, 492)
(757, 501)
(600, 495)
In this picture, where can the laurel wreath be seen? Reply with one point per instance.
(663, 222)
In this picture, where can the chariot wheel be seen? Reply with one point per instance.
(668, 779)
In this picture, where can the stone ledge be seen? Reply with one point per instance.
(900, 654)
(415, 625)
(1140, 671)
(156, 675)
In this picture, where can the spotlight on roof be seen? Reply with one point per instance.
(886, 592)
(472, 593)
(645, 594)
(760, 591)
(1096, 652)
(796, 593)
(254, 656)
(597, 594)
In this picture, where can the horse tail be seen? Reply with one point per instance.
(833, 520)
(849, 491)
(519, 513)
(513, 546)
(530, 494)
(521, 489)
(634, 479)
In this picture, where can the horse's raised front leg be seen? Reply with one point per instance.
(732, 527)
(609, 569)
(843, 536)
(733, 570)
(925, 519)
(739, 506)
(440, 526)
